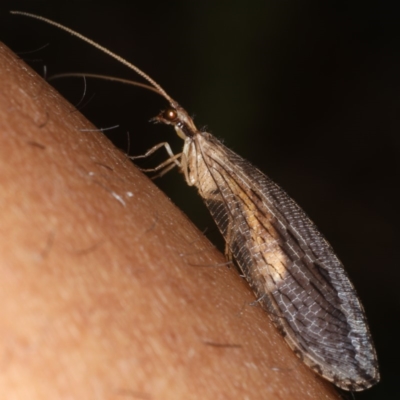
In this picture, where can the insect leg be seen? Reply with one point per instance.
(165, 166)
(154, 149)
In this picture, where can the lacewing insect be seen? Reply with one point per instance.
(291, 268)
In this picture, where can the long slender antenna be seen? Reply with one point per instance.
(104, 50)
(104, 77)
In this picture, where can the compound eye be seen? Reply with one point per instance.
(170, 115)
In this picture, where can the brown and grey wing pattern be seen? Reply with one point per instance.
(290, 266)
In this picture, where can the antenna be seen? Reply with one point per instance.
(104, 77)
(104, 50)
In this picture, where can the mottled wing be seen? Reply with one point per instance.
(289, 265)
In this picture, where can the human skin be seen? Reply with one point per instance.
(107, 290)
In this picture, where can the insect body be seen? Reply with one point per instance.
(291, 268)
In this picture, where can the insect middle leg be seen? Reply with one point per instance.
(165, 166)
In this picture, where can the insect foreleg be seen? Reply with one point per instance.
(165, 166)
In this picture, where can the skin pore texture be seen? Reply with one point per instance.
(107, 290)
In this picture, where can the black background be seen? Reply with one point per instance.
(308, 91)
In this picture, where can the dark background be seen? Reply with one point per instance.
(308, 91)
